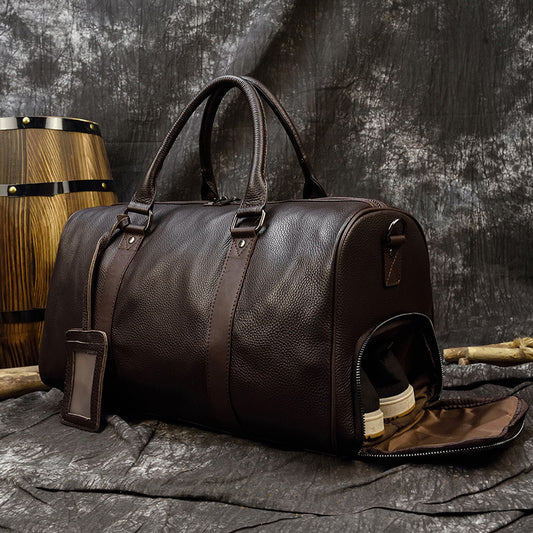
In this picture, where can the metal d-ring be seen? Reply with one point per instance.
(127, 222)
(392, 225)
(259, 224)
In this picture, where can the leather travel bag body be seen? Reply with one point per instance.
(254, 317)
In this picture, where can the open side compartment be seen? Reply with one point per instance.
(433, 427)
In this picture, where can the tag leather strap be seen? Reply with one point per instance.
(87, 348)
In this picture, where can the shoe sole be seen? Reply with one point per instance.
(398, 405)
(374, 426)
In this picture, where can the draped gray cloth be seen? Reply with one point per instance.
(425, 105)
(152, 476)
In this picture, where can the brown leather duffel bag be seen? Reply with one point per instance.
(254, 318)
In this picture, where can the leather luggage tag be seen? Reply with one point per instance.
(84, 378)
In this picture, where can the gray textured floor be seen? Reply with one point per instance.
(151, 476)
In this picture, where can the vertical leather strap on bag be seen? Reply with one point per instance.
(221, 325)
(88, 349)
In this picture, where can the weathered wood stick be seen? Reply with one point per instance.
(506, 353)
(18, 381)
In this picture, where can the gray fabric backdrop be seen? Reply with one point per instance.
(426, 105)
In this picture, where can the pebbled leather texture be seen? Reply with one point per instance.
(362, 300)
(314, 284)
(251, 319)
(259, 339)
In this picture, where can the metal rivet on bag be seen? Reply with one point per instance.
(26, 120)
(12, 189)
(131, 240)
(242, 243)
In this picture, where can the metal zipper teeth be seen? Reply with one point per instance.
(371, 202)
(455, 451)
(358, 371)
(377, 203)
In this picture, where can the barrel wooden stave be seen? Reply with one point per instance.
(30, 227)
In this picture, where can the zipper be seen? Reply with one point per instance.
(454, 451)
(223, 200)
(377, 203)
(372, 202)
(358, 370)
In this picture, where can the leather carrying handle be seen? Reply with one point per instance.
(312, 188)
(255, 197)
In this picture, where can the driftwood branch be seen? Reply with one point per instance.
(18, 381)
(515, 352)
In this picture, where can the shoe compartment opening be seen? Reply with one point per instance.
(412, 360)
(431, 426)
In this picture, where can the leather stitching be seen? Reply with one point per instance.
(233, 252)
(230, 327)
(71, 368)
(99, 350)
(238, 250)
(117, 285)
(209, 371)
(396, 281)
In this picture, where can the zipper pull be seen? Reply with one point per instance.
(223, 200)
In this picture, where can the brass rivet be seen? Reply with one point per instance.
(104, 185)
(91, 126)
(26, 120)
(242, 243)
(12, 189)
(131, 240)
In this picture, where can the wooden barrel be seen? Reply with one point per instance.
(49, 168)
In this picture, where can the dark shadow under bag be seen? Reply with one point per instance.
(253, 317)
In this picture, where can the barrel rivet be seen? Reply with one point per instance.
(12, 189)
(242, 243)
(104, 185)
(91, 126)
(26, 120)
(131, 240)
